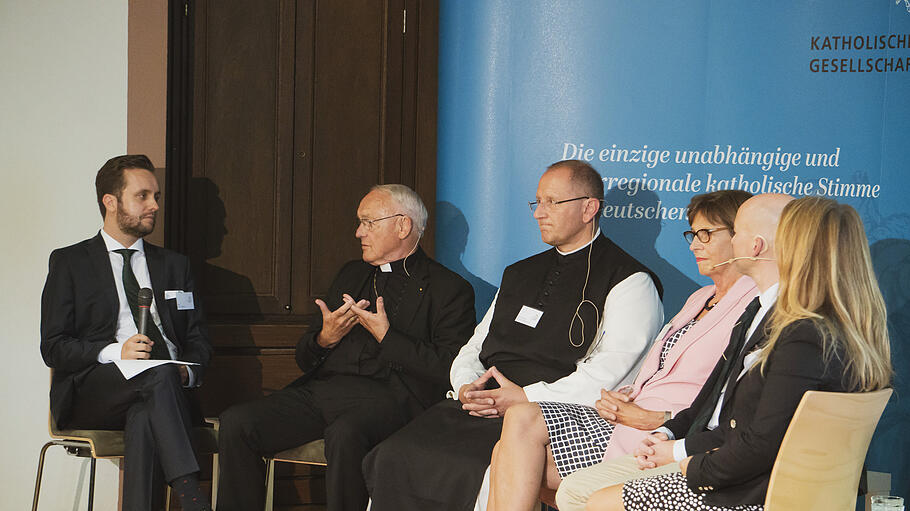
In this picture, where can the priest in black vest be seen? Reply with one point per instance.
(390, 326)
(564, 324)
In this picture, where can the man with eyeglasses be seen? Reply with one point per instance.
(378, 355)
(564, 324)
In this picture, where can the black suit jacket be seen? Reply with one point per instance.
(79, 308)
(752, 426)
(435, 318)
(706, 440)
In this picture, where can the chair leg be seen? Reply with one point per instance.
(38, 477)
(91, 485)
(215, 475)
(167, 498)
(269, 484)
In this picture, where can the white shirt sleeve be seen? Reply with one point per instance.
(467, 366)
(110, 353)
(665, 430)
(632, 315)
(679, 450)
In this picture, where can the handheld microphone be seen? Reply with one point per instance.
(751, 258)
(144, 298)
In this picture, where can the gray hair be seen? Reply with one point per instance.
(409, 201)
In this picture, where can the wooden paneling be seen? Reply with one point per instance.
(242, 197)
(296, 109)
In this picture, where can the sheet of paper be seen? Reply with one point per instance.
(130, 368)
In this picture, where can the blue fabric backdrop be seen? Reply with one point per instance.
(527, 83)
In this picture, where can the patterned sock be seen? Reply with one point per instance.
(191, 497)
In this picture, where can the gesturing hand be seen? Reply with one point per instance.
(617, 407)
(495, 402)
(376, 323)
(137, 347)
(336, 324)
(655, 450)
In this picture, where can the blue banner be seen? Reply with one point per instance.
(671, 99)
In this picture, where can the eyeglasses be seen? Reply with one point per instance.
(549, 203)
(703, 235)
(369, 224)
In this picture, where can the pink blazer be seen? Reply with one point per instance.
(689, 362)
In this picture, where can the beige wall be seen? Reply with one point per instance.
(63, 112)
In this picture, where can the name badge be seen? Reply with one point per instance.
(528, 316)
(184, 299)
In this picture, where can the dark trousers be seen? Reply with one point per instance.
(436, 462)
(155, 414)
(352, 413)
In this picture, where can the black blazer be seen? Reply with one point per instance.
(752, 427)
(705, 440)
(435, 319)
(79, 308)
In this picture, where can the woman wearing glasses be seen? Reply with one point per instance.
(828, 331)
(542, 443)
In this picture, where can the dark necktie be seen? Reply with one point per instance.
(131, 288)
(731, 354)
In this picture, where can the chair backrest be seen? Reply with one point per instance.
(821, 457)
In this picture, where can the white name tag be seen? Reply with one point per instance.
(528, 316)
(184, 299)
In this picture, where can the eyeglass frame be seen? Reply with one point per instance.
(549, 203)
(708, 233)
(368, 224)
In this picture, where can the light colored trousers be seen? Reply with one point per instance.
(575, 490)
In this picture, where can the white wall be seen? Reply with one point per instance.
(62, 114)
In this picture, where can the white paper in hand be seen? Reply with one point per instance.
(130, 368)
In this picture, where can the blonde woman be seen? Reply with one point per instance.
(827, 332)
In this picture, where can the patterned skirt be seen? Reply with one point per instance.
(578, 436)
(669, 492)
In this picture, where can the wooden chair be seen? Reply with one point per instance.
(104, 444)
(821, 457)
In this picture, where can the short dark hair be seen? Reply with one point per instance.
(586, 177)
(719, 207)
(109, 179)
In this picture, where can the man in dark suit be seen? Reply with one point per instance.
(89, 319)
(696, 429)
(379, 354)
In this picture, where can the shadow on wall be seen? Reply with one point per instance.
(638, 237)
(222, 386)
(450, 249)
(890, 448)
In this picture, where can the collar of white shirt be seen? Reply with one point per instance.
(113, 244)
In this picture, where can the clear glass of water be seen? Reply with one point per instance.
(887, 503)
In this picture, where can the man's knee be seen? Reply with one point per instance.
(165, 374)
(237, 424)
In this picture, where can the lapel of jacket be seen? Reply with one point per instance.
(698, 330)
(720, 311)
(101, 263)
(154, 258)
(757, 336)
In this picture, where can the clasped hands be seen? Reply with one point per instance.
(619, 408)
(338, 323)
(491, 403)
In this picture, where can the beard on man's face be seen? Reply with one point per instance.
(133, 225)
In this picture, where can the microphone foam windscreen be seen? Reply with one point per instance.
(145, 297)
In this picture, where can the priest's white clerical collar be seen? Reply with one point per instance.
(385, 268)
(581, 247)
